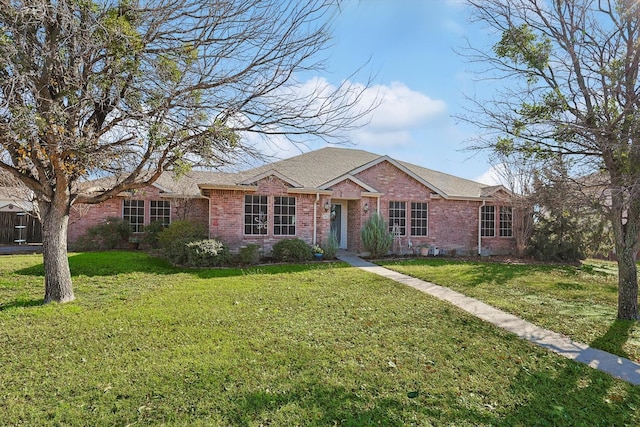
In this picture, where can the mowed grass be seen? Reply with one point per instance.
(313, 345)
(578, 301)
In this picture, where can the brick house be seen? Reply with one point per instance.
(316, 193)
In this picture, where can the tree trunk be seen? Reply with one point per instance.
(57, 276)
(627, 285)
(625, 220)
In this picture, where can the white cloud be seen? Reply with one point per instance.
(493, 176)
(402, 108)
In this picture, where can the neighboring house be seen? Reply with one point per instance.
(18, 225)
(323, 191)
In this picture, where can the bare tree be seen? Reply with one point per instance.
(572, 89)
(130, 89)
(516, 172)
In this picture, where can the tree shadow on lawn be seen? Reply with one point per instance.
(615, 338)
(575, 395)
(479, 272)
(92, 264)
(339, 406)
(21, 303)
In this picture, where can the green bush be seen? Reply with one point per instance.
(113, 233)
(248, 255)
(330, 246)
(197, 253)
(376, 238)
(181, 230)
(207, 253)
(152, 234)
(292, 250)
(557, 239)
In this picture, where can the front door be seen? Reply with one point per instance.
(338, 226)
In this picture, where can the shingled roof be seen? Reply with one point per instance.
(317, 168)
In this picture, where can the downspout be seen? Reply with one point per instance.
(480, 227)
(315, 219)
(209, 209)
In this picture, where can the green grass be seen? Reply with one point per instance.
(578, 301)
(315, 345)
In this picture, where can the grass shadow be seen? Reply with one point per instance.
(21, 303)
(615, 338)
(100, 264)
(562, 398)
(339, 406)
(478, 272)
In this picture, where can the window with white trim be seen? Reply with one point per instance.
(160, 211)
(419, 219)
(133, 212)
(398, 217)
(284, 216)
(488, 221)
(255, 215)
(506, 221)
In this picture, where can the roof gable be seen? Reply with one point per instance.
(349, 177)
(271, 172)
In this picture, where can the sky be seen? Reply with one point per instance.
(408, 47)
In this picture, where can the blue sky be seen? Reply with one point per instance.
(421, 80)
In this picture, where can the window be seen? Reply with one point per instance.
(284, 216)
(398, 217)
(488, 221)
(133, 211)
(255, 215)
(506, 221)
(160, 212)
(419, 219)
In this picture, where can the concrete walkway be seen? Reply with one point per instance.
(616, 366)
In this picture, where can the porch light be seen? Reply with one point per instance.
(327, 206)
(366, 207)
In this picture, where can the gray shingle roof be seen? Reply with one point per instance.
(317, 168)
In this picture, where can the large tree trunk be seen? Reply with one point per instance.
(627, 285)
(625, 221)
(57, 276)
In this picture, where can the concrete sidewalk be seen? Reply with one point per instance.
(616, 366)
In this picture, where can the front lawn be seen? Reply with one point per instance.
(578, 301)
(316, 345)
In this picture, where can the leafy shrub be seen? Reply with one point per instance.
(376, 238)
(113, 233)
(248, 255)
(207, 253)
(152, 234)
(557, 239)
(330, 246)
(176, 251)
(181, 230)
(292, 250)
(197, 253)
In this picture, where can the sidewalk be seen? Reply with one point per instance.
(616, 366)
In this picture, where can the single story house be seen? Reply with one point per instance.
(18, 224)
(316, 193)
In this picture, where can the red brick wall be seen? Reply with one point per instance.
(396, 186)
(227, 215)
(453, 225)
(84, 216)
